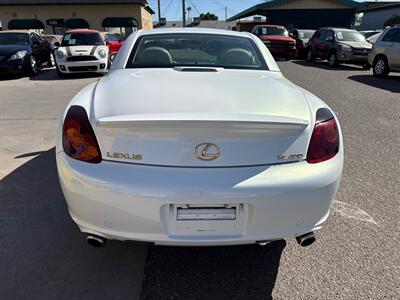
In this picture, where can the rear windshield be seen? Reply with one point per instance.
(81, 39)
(274, 31)
(14, 39)
(201, 50)
(349, 36)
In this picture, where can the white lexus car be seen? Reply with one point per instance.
(196, 138)
(82, 51)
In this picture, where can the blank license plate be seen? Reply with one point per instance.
(191, 214)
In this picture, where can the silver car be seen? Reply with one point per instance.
(385, 55)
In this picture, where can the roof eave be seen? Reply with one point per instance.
(255, 9)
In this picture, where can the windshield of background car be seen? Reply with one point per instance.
(81, 39)
(305, 34)
(111, 38)
(349, 36)
(274, 31)
(14, 39)
(199, 50)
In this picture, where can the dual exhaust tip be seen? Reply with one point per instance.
(95, 240)
(306, 239)
(303, 240)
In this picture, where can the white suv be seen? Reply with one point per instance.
(82, 51)
(385, 55)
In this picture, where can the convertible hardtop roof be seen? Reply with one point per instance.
(270, 25)
(18, 31)
(194, 30)
(82, 31)
(337, 28)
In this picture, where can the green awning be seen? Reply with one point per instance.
(25, 24)
(120, 22)
(76, 24)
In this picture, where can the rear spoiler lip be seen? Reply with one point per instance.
(236, 120)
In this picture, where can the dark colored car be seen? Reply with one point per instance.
(24, 52)
(339, 45)
(302, 36)
(277, 40)
(54, 40)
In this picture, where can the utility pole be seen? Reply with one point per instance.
(183, 14)
(226, 13)
(159, 10)
(189, 9)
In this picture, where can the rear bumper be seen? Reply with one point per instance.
(96, 66)
(135, 202)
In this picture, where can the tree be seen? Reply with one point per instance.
(395, 19)
(208, 16)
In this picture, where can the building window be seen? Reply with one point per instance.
(122, 27)
(58, 26)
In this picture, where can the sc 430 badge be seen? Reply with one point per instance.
(291, 156)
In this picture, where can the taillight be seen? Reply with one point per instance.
(324, 142)
(79, 141)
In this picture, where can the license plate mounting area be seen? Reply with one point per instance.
(197, 221)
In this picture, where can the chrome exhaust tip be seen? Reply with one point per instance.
(306, 239)
(263, 243)
(95, 241)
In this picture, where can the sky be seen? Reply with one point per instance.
(172, 9)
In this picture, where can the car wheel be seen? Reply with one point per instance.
(51, 61)
(381, 67)
(297, 53)
(310, 55)
(333, 60)
(34, 69)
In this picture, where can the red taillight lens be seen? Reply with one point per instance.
(78, 138)
(324, 142)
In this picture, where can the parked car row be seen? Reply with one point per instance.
(382, 52)
(26, 52)
(378, 48)
(339, 45)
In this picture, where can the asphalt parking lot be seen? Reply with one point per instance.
(356, 256)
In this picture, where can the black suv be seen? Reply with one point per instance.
(339, 45)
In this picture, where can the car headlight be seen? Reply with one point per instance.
(102, 53)
(346, 48)
(18, 55)
(59, 54)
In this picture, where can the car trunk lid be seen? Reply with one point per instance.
(246, 117)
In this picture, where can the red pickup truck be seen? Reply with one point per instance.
(277, 39)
